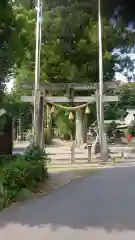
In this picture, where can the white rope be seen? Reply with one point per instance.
(71, 108)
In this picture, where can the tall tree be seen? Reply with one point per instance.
(126, 95)
(7, 38)
(69, 51)
(70, 45)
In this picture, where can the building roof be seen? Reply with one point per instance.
(116, 121)
(131, 111)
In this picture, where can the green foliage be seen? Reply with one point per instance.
(127, 95)
(6, 37)
(34, 153)
(20, 175)
(125, 8)
(126, 101)
(24, 194)
(8, 42)
(112, 131)
(16, 109)
(25, 53)
(131, 129)
(65, 128)
(69, 50)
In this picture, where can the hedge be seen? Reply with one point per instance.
(20, 175)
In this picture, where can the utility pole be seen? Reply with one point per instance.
(37, 73)
(103, 143)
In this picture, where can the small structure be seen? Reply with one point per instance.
(126, 122)
(130, 116)
(107, 122)
(6, 143)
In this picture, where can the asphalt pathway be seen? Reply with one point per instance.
(100, 206)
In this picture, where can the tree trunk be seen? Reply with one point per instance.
(79, 140)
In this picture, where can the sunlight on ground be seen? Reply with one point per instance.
(49, 232)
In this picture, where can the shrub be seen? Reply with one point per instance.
(34, 153)
(65, 128)
(21, 174)
(111, 130)
(29, 135)
(4, 159)
(23, 194)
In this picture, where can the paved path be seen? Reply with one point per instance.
(101, 206)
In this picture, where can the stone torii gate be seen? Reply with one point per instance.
(51, 88)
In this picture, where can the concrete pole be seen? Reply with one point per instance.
(37, 74)
(41, 122)
(103, 145)
(97, 109)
